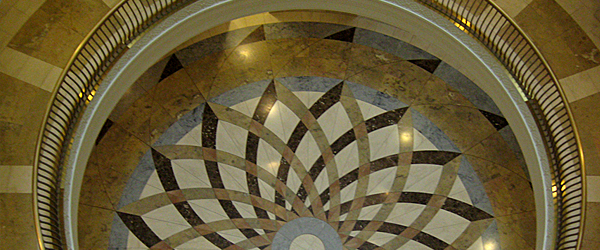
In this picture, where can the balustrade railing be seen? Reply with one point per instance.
(481, 19)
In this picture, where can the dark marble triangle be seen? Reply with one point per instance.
(433, 157)
(139, 228)
(256, 36)
(497, 121)
(427, 64)
(344, 35)
(173, 65)
(104, 129)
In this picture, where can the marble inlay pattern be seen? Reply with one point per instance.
(246, 132)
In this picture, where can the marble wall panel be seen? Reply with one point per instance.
(17, 222)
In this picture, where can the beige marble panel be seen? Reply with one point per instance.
(16, 223)
(593, 188)
(15, 179)
(592, 224)
(558, 36)
(22, 107)
(586, 112)
(94, 227)
(56, 29)
(496, 150)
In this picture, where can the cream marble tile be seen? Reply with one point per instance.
(380, 238)
(347, 159)
(233, 178)
(153, 186)
(165, 221)
(231, 139)
(308, 151)
(281, 120)
(4, 38)
(134, 243)
(369, 110)
(190, 173)
(421, 143)
(209, 210)
(51, 79)
(570, 6)
(245, 210)
(254, 20)
(194, 137)
(111, 3)
(307, 242)
(268, 158)
(446, 226)
(593, 188)
(405, 213)
(334, 122)
(322, 182)
(16, 179)
(513, 7)
(368, 213)
(423, 178)
(384, 142)
(459, 192)
(12, 62)
(233, 235)
(267, 192)
(347, 194)
(13, 21)
(35, 71)
(413, 245)
(200, 241)
(594, 75)
(579, 85)
(381, 181)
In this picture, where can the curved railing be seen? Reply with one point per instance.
(486, 22)
(482, 19)
(77, 86)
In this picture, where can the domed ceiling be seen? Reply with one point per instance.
(305, 135)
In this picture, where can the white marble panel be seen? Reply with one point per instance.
(322, 182)
(194, 137)
(421, 143)
(368, 213)
(308, 151)
(478, 245)
(446, 226)
(405, 213)
(308, 98)
(165, 221)
(459, 192)
(369, 110)
(413, 245)
(268, 158)
(335, 122)
(190, 173)
(348, 192)
(384, 141)
(347, 159)
(293, 181)
(247, 107)
(134, 243)
(200, 241)
(233, 235)
(380, 238)
(307, 242)
(231, 138)
(282, 121)
(423, 178)
(153, 186)
(267, 192)
(246, 210)
(233, 178)
(209, 210)
(381, 181)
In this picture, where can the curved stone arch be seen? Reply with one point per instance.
(405, 14)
